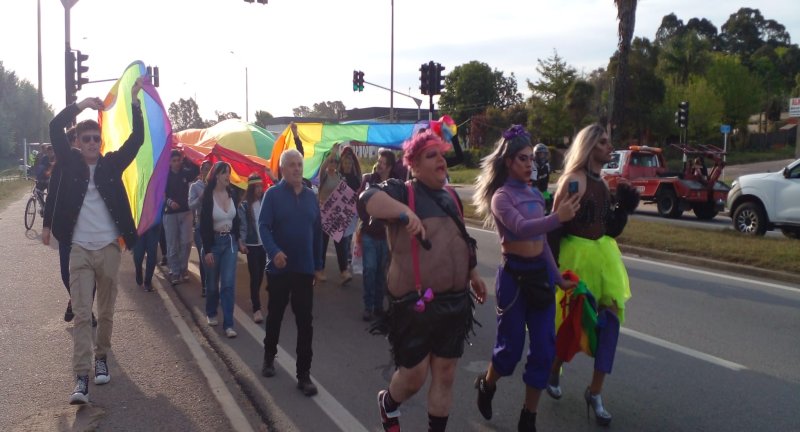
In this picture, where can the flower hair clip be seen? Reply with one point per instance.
(419, 306)
(515, 131)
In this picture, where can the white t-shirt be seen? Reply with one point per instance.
(223, 220)
(95, 228)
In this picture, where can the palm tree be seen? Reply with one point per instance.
(626, 15)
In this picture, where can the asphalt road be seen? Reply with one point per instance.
(700, 351)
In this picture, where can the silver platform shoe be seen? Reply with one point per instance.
(602, 416)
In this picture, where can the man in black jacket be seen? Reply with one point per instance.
(91, 213)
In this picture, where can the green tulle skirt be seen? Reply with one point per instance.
(599, 264)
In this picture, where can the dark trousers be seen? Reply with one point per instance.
(342, 250)
(299, 288)
(63, 260)
(146, 245)
(256, 262)
(162, 242)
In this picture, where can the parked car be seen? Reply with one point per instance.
(761, 202)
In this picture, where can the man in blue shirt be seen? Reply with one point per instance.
(291, 232)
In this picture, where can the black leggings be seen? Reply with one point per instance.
(256, 262)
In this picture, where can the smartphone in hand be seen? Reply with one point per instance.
(573, 187)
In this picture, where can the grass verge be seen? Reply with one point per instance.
(10, 191)
(782, 254)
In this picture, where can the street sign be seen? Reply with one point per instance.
(794, 107)
(725, 129)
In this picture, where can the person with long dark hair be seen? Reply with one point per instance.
(250, 240)
(219, 228)
(525, 286)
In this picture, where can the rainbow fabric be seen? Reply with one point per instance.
(578, 330)
(145, 178)
(319, 138)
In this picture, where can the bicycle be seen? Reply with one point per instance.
(37, 199)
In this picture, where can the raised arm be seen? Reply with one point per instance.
(508, 215)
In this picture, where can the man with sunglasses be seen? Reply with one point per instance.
(91, 214)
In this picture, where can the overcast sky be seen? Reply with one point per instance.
(298, 52)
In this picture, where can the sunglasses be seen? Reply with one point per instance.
(87, 138)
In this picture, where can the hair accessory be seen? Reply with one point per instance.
(515, 131)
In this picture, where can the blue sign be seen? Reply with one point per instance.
(726, 129)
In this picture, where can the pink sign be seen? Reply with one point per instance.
(338, 211)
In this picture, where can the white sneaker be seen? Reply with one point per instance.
(257, 317)
(212, 321)
(231, 333)
(101, 375)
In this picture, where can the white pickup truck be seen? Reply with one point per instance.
(761, 202)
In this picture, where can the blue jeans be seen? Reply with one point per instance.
(376, 259)
(147, 244)
(224, 251)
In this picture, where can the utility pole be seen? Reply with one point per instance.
(391, 79)
(40, 112)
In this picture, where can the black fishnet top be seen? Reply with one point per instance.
(595, 204)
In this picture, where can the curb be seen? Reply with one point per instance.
(740, 269)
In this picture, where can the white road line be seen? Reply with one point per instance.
(710, 273)
(336, 411)
(683, 350)
(481, 229)
(237, 418)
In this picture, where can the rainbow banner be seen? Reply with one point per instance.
(145, 179)
(319, 138)
(576, 321)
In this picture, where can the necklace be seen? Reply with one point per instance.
(592, 175)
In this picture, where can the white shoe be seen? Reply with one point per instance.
(212, 321)
(257, 317)
(231, 333)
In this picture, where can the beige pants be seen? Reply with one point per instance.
(88, 268)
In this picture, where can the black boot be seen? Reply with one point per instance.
(485, 396)
(268, 370)
(527, 421)
(305, 385)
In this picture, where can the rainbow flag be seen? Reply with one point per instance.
(319, 138)
(145, 179)
(578, 330)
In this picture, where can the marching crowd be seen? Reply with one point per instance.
(419, 261)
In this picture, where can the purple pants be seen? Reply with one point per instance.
(607, 336)
(511, 323)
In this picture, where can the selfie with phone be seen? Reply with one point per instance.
(573, 187)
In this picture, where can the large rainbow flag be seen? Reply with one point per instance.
(319, 138)
(146, 178)
(576, 322)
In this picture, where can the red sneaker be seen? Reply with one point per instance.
(388, 419)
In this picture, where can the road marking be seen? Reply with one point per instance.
(336, 411)
(709, 273)
(229, 405)
(683, 350)
(481, 229)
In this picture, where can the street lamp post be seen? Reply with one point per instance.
(39, 115)
(391, 79)
(246, 93)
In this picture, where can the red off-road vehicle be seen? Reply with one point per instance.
(696, 187)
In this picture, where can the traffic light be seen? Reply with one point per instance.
(437, 83)
(360, 81)
(682, 115)
(152, 75)
(355, 80)
(81, 69)
(69, 77)
(424, 78)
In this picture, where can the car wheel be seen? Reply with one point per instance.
(791, 232)
(749, 218)
(705, 211)
(668, 204)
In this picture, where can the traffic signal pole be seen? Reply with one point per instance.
(69, 86)
(416, 101)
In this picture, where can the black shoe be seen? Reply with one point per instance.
(268, 370)
(148, 287)
(94, 320)
(80, 395)
(163, 261)
(68, 315)
(306, 386)
(485, 396)
(527, 421)
(101, 375)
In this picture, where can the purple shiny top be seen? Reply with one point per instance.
(518, 211)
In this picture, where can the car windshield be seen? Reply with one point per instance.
(613, 163)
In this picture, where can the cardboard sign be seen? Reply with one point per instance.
(794, 107)
(338, 211)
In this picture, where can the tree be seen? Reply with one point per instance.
(19, 114)
(670, 27)
(728, 76)
(301, 111)
(226, 115)
(262, 117)
(507, 93)
(626, 14)
(705, 113)
(329, 110)
(579, 102)
(704, 30)
(548, 104)
(684, 55)
(185, 115)
(468, 90)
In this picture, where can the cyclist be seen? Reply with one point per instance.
(43, 169)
